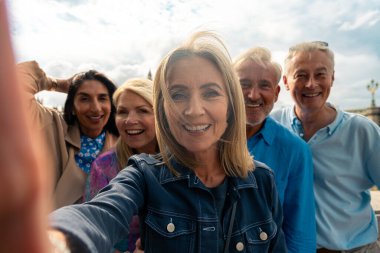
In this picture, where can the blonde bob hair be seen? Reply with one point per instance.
(143, 88)
(261, 56)
(232, 148)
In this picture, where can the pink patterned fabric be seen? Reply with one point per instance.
(103, 170)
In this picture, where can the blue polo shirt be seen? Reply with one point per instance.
(346, 157)
(290, 159)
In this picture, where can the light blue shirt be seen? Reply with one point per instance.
(346, 156)
(290, 159)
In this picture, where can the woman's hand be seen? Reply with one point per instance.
(62, 85)
(138, 248)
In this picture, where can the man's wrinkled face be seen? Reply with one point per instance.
(260, 90)
(309, 79)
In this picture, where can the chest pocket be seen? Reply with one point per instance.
(256, 239)
(166, 233)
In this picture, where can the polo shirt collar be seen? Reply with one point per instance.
(338, 118)
(296, 123)
(267, 130)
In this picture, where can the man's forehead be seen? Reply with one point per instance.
(257, 75)
(315, 59)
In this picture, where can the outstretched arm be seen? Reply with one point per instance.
(98, 224)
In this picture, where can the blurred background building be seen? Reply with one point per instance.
(372, 112)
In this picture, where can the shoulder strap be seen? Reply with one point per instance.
(230, 227)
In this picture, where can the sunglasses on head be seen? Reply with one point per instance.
(316, 42)
(322, 43)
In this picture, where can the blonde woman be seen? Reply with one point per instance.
(135, 123)
(205, 193)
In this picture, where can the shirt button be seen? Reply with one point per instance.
(170, 227)
(263, 236)
(239, 246)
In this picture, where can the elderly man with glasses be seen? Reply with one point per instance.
(345, 150)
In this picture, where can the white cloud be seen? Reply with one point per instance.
(370, 18)
(125, 39)
(353, 73)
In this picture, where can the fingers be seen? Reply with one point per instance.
(138, 247)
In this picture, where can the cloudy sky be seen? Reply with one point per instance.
(126, 38)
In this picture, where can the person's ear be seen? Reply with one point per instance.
(285, 80)
(277, 91)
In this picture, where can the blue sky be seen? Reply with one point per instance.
(126, 38)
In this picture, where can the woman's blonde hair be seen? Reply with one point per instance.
(232, 148)
(143, 88)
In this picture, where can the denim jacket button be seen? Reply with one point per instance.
(263, 236)
(170, 227)
(239, 246)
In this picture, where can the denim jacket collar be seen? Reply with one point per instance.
(237, 183)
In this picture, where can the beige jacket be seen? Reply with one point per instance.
(62, 141)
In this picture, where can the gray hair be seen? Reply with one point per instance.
(261, 56)
(309, 47)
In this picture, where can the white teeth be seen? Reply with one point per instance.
(253, 105)
(95, 117)
(196, 128)
(311, 95)
(135, 131)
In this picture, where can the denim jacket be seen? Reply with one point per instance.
(179, 212)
